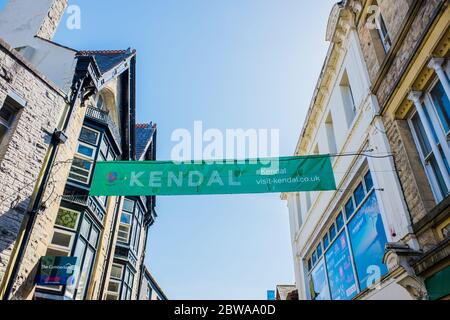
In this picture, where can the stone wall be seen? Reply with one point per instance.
(51, 20)
(23, 151)
(406, 50)
(417, 191)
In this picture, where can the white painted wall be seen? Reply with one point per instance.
(365, 132)
(20, 20)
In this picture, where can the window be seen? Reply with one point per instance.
(115, 282)
(308, 201)
(430, 129)
(351, 251)
(62, 242)
(383, 32)
(89, 136)
(117, 271)
(340, 222)
(329, 127)
(127, 285)
(299, 210)
(83, 163)
(442, 106)
(326, 241)
(7, 115)
(85, 251)
(124, 228)
(348, 99)
(148, 295)
(67, 218)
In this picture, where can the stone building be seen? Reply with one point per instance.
(61, 111)
(407, 60)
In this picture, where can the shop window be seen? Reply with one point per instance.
(359, 194)
(318, 284)
(368, 240)
(349, 208)
(351, 251)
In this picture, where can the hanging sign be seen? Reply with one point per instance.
(162, 178)
(56, 270)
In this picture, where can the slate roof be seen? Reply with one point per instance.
(108, 59)
(144, 134)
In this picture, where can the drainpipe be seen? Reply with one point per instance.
(59, 137)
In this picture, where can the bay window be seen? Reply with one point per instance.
(430, 127)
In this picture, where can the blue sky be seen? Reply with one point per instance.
(232, 64)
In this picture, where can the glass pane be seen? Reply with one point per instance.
(85, 228)
(86, 151)
(326, 242)
(440, 179)
(114, 286)
(79, 251)
(314, 258)
(116, 271)
(67, 219)
(369, 181)
(125, 218)
(340, 270)
(104, 147)
(85, 273)
(340, 221)
(89, 136)
(442, 105)
(62, 239)
(82, 164)
(318, 287)
(319, 251)
(57, 253)
(6, 114)
(421, 135)
(349, 208)
(332, 232)
(111, 297)
(128, 205)
(94, 237)
(368, 240)
(359, 194)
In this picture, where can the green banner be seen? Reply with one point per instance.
(161, 178)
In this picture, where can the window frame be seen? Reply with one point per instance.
(438, 129)
(312, 261)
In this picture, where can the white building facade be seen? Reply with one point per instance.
(339, 237)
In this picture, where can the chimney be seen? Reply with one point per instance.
(22, 20)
